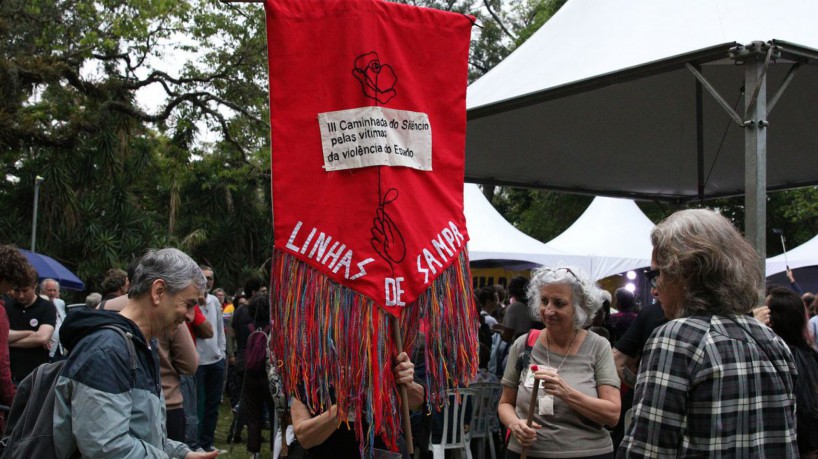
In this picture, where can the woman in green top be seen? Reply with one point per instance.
(579, 387)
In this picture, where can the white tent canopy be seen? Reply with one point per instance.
(805, 254)
(601, 100)
(607, 36)
(655, 99)
(610, 237)
(613, 234)
(491, 237)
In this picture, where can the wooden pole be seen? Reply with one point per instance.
(531, 406)
(404, 395)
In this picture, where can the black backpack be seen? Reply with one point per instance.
(30, 424)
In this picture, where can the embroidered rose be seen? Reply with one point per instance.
(377, 81)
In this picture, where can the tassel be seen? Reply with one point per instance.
(329, 338)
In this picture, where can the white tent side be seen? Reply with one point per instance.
(805, 254)
(491, 237)
(613, 233)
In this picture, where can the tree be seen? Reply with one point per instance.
(119, 175)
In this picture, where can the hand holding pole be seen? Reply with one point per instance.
(531, 407)
(404, 395)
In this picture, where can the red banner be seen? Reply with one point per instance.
(368, 120)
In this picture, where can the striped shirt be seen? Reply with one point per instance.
(706, 388)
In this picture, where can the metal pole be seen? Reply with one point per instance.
(37, 181)
(755, 150)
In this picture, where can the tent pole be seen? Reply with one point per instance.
(755, 147)
(699, 139)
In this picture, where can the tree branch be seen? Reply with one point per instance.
(499, 21)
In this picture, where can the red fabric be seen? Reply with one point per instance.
(332, 55)
(198, 319)
(6, 386)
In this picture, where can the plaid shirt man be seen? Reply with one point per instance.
(706, 388)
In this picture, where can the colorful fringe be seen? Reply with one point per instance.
(328, 337)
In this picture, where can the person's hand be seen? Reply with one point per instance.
(526, 436)
(231, 360)
(762, 314)
(790, 276)
(552, 384)
(404, 369)
(202, 455)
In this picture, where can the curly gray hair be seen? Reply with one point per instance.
(587, 296)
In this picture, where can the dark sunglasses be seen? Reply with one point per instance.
(652, 275)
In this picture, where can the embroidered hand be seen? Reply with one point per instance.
(387, 239)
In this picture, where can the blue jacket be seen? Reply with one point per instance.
(97, 409)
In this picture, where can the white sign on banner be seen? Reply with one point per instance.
(375, 136)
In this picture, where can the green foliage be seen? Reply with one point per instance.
(542, 215)
(794, 212)
(537, 13)
(120, 178)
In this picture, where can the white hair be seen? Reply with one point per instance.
(587, 296)
(42, 284)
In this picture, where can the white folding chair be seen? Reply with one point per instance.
(454, 435)
(484, 420)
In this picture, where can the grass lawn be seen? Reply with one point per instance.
(238, 451)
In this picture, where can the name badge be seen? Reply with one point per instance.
(546, 405)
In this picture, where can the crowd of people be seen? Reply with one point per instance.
(711, 367)
(189, 343)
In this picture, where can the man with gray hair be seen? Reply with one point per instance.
(93, 300)
(51, 289)
(104, 407)
(210, 374)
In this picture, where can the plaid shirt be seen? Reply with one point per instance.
(707, 389)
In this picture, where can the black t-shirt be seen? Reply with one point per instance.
(41, 312)
(637, 335)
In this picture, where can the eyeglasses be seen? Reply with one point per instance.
(652, 275)
(568, 270)
(209, 277)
